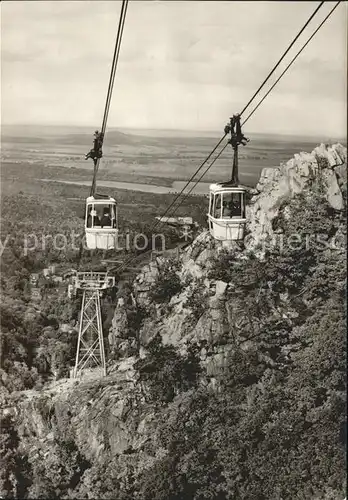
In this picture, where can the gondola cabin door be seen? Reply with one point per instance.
(101, 223)
(226, 217)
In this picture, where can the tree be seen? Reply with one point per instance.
(164, 373)
(167, 283)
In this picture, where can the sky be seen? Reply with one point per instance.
(183, 64)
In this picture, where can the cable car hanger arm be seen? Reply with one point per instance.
(96, 152)
(226, 131)
(245, 107)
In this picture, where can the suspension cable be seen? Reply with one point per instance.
(114, 62)
(201, 177)
(245, 107)
(190, 180)
(176, 198)
(321, 24)
(280, 60)
(293, 60)
(160, 221)
(119, 269)
(111, 84)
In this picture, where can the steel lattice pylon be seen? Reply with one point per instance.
(90, 350)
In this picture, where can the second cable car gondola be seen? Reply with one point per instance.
(227, 201)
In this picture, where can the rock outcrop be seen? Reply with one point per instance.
(326, 166)
(111, 416)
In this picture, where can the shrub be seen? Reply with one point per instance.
(136, 318)
(15, 473)
(322, 161)
(221, 266)
(197, 300)
(164, 372)
(167, 283)
(310, 214)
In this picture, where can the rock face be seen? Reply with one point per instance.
(145, 280)
(119, 326)
(101, 416)
(326, 166)
(110, 415)
(177, 322)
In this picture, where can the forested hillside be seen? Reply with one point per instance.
(228, 375)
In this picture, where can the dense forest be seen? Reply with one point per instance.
(34, 347)
(274, 426)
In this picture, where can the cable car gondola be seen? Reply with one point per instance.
(227, 200)
(227, 212)
(101, 223)
(101, 228)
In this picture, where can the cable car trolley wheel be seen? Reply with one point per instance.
(101, 227)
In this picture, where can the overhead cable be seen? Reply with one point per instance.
(292, 61)
(281, 59)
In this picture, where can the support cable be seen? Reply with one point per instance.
(280, 60)
(190, 180)
(245, 107)
(201, 177)
(321, 24)
(110, 87)
(292, 61)
(128, 261)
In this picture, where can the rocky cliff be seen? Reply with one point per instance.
(323, 170)
(325, 167)
(224, 305)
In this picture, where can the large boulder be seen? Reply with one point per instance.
(206, 318)
(325, 167)
(144, 282)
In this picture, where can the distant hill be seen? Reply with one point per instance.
(84, 135)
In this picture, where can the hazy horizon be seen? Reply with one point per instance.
(182, 66)
(158, 132)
